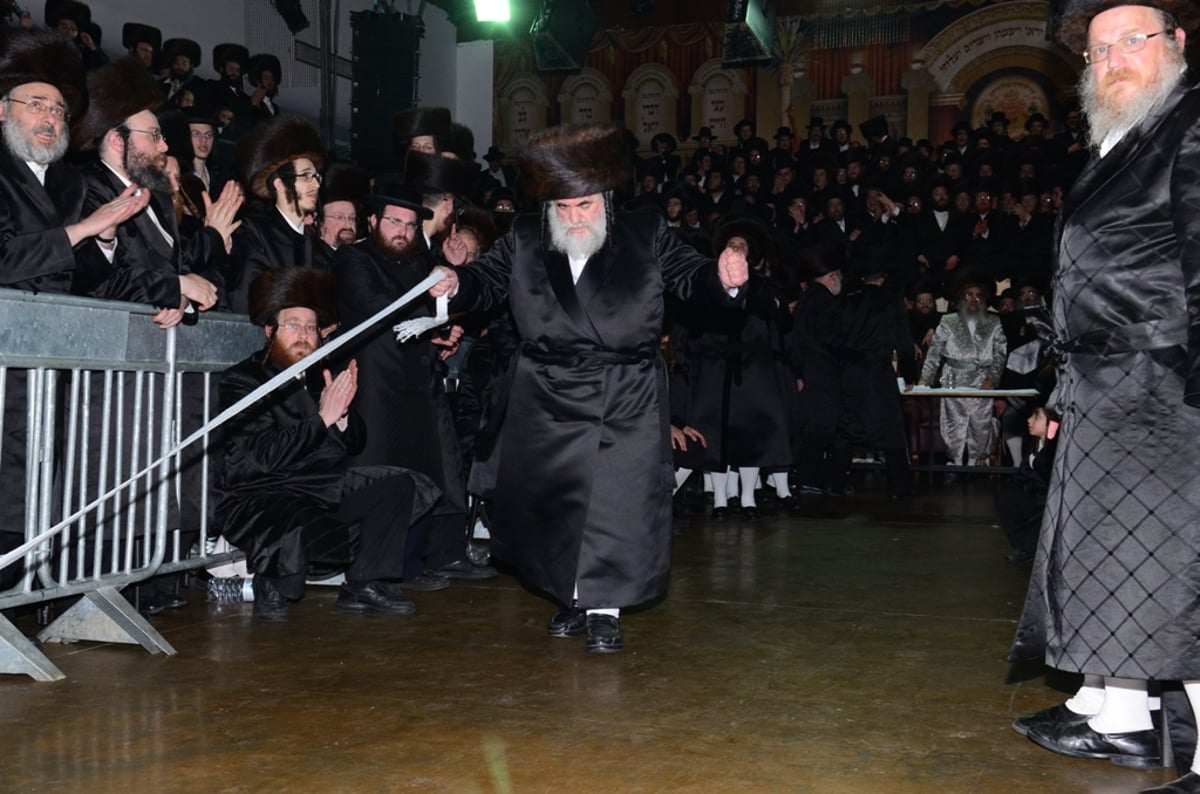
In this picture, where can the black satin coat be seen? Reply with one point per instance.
(35, 253)
(873, 326)
(815, 339)
(145, 268)
(400, 396)
(266, 241)
(583, 461)
(1114, 584)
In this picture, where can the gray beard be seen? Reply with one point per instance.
(574, 246)
(1113, 121)
(30, 152)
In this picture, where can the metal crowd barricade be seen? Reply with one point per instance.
(106, 507)
(100, 393)
(925, 393)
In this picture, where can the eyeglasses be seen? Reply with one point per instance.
(410, 225)
(41, 105)
(342, 218)
(309, 176)
(297, 328)
(1134, 42)
(155, 135)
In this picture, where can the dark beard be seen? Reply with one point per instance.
(395, 250)
(146, 174)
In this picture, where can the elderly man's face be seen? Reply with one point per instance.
(38, 136)
(973, 300)
(1121, 76)
(339, 223)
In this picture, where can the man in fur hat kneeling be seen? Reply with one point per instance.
(582, 464)
(287, 497)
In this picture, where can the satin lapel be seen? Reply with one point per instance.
(1100, 170)
(38, 196)
(558, 269)
(166, 214)
(597, 271)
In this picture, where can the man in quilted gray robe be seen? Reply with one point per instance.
(1115, 588)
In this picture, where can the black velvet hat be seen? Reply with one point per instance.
(390, 192)
(433, 173)
(408, 124)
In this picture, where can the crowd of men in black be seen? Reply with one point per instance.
(797, 382)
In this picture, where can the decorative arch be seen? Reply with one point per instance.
(718, 98)
(650, 95)
(998, 36)
(586, 97)
(523, 105)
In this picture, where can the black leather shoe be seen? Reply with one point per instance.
(363, 597)
(604, 634)
(269, 603)
(750, 513)
(465, 569)
(1136, 749)
(810, 490)
(567, 622)
(720, 513)
(1048, 718)
(425, 583)
(150, 604)
(1188, 784)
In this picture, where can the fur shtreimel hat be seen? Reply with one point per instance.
(224, 53)
(271, 145)
(1071, 26)
(408, 124)
(432, 173)
(134, 33)
(461, 143)
(289, 287)
(79, 13)
(574, 161)
(43, 56)
(115, 93)
(188, 47)
(345, 182)
(264, 62)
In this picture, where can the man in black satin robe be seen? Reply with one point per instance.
(582, 466)
(1113, 590)
(289, 497)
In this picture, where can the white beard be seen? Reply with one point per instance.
(1111, 121)
(29, 151)
(577, 246)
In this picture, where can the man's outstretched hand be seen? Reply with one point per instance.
(732, 267)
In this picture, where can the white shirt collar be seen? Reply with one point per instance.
(38, 170)
(298, 228)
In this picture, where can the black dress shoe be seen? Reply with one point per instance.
(1136, 749)
(750, 513)
(1188, 784)
(604, 634)
(567, 622)
(1048, 718)
(269, 603)
(150, 604)
(425, 583)
(842, 490)
(465, 569)
(364, 597)
(810, 490)
(720, 513)
(172, 600)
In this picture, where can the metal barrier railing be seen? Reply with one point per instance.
(93, 392)
(104, 508)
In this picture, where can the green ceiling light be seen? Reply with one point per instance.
(492, 11)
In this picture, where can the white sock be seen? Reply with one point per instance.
(616, 613)
(780, 480)
(681, 476)
(749, 477)
(1126, 707)
(1192, 688)
(708, 486)
(720, 497)
(1090, 696)
(731, 485)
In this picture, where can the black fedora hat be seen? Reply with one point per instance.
(391, 192)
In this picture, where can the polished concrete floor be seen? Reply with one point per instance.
(856, 647)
